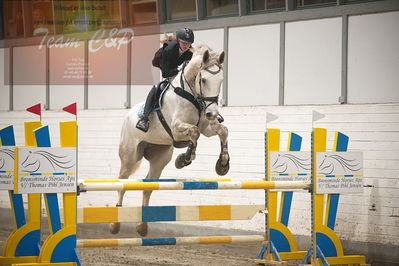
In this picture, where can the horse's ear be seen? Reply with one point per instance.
(205, 57)
(221, 58)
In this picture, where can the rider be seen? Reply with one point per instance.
(173, 54)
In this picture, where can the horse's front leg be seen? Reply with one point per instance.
(223, 163)
(184, 131)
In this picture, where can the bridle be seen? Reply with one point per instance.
(203, 102)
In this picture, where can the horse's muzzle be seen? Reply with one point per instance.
(211, 115)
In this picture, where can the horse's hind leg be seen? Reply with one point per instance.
(158, 156)
(130, 161)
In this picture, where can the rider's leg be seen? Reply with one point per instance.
(143, 124)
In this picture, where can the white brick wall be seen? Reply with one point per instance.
(369, 217)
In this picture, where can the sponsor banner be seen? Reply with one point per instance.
(7, 168)
(339, 172)
(45, 170)
(290, 166)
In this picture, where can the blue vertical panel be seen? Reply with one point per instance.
(342, 145)
(43, 140)
(294, 145)
(43, 137)
(18, 208)
(7, 136)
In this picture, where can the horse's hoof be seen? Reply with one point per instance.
(181, 161)
(114, 228)
(142, 229)
(222, 169)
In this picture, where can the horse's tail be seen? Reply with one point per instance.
(130, 150)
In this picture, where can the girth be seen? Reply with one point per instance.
(176, 144)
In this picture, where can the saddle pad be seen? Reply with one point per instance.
(140, 111)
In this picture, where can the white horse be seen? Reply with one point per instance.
(199, 81)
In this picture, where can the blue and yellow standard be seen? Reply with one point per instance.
(23, 244)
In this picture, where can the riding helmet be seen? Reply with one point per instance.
(185, 35)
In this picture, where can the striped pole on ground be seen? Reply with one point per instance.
(193, 185)
(130, 242)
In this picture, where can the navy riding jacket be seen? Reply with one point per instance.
(170, 58)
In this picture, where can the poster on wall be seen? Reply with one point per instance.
(80, 42)
(45, 170)
(339, 172)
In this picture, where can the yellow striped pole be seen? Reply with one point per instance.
(106, 186)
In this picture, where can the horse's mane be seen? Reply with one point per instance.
(196, 65)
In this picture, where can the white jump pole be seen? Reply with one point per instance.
(83, 187)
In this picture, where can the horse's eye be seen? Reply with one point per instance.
(203, 81)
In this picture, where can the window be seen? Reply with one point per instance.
(42, 16)
(143, 12)
(261, 5)
(221, 7)
(70, 17)
(103, 14)
(180, 9)
(13, 19)
(302, 3)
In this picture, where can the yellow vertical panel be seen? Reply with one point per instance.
(29, 127)
(319, 145)
(69, 202)
(273, 144)
(100, 215)
(222, 212)
(273, 139)
(68, 134)
(34, 201)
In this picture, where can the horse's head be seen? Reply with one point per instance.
(6, 158)
(204, 74)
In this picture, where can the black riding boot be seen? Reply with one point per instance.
(143, 124)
